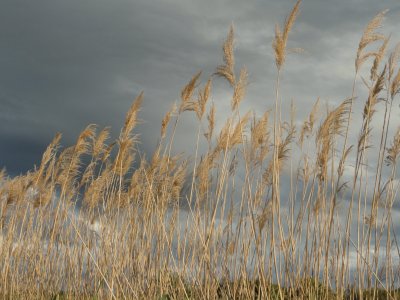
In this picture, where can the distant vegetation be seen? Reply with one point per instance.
(102, 220)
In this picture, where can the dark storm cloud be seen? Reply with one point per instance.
(65, 64)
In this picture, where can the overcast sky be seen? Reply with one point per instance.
(66, 64)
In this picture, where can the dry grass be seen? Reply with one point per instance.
(100, 220)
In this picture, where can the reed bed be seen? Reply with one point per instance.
(262, 209)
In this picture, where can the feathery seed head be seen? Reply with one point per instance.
(187, 93)
(280, 41)
(378, 58)
(228, 69)
(369, 36)
(394, 150)
(239, 89)
(211, 123)
(131, 117)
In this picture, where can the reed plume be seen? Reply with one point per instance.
(369, 36)
(281, 37)
(227, 70)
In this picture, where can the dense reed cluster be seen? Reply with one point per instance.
(263, 209)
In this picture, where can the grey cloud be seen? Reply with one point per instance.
(66, 64)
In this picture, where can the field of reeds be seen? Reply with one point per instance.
(264, 208)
